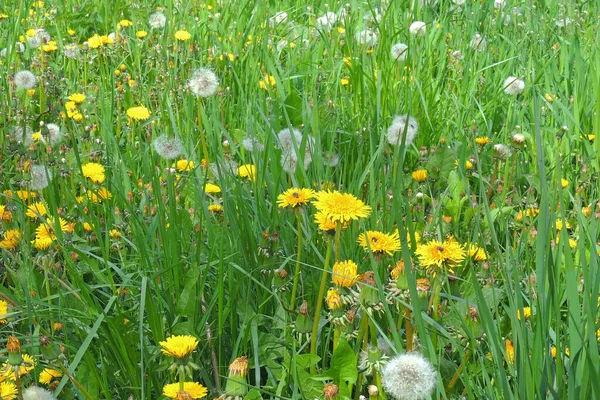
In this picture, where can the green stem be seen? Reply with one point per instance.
(181, 379)
(315, 330)
(297, 271)
(338, 231)
(77, 384)
(202, 138)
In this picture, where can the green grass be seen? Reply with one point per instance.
(178, 268)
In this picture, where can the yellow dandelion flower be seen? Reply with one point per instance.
(334, 300)
(95, 42)
(211, 188)
(344, 81)
(247, 171)
(124, 23)
(184, 165)
(36, 210)
(379, 242)
(482, 140)
(94, 172)
(45, 234)
(559, 224)
(191, 390)
(182, 35)
(526, 313)
(4, 214)
(88, 227)
(114, 233)
(344, 273)
(420, 175)
(77, 98)
(7, 371)
(96, 196)
(141, 34)
(564, 183)
(3, 311)
(179, 346)
(295, 197)
(11, 239)
(139, 113)
(341, 207)
(49, 47)
(48, 374)
(433, 254)
(324, 222)
(476, 253)
(215, 208)
(8, 390)
(510, 351)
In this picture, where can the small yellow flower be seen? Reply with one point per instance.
(342, 207)
(36, 210)
(124, 23)
(549, 98)
(211, 188)
(45, 233)
(179, 346)
(434, 254)
(476, 253)
(114, 234)
(191, 390)
(182, 35)
(76, 98)
(564, 183)
(215, 208)
(48, 374)
(139, 113)
(325, 223)
(94, 172)
(247, 171)
(482, 140)
(71, 32)
(141, 34)
(345, 81)
(95, 42)
(510, 351)
(3, 311)
(526, 313)
(379, 242)
(295, 197)
(420, 175)
(184, 165)
(49, 47)
(344, 273)
(8, 390)
(334, 300)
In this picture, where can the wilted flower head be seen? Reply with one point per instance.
(203, 82)
(418, 28)
(401, 124)
(157, 20)
(40, 176)
(168, 147)
(367, 37)
(513, 86)
(399, 51)
(37, 393)
(409, 376)
(25, 80)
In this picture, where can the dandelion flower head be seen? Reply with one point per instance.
(379, 242)
(341, 207)
(179, 346)
(295, 197)
(344, 273)
(191, 390)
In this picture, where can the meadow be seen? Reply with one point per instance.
(299, 200)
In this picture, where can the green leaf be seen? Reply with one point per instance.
(191, 278)
(253, 394)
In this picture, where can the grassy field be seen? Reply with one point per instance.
(299, 200)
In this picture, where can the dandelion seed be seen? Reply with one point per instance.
(168, 147)
(513, 86)
(25, 80)
(54, 134)
(326, 21)
(38, 38)
(409, 376)
(71, 51)
(502, 151)
(40, 177)
(252, 144)
(24, 136)
(157, 20)
(331, 159)
(36, 393)
(278, 18)
(367, 38)
(478, 42)
(418, 28)
(399, 51)
(401, 124)
(499, 3)
(203, 82)
(290, 142)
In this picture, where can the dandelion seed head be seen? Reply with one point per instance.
(478, 42)
(39, 38)
(24, 136)
(327, 21)
(399, 51)
(71, 51)
(40, 177)
(25, 80)
(252, 144)
(168, 147)
(409, 376)
(278, 18)
(418, 28)
(37, 393)
(513, 86)
(203, 82)
(54, 134)
(157, 20)
(367, 37)
(331, 159)
(400, 124)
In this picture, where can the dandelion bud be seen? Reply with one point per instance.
(373, 392)
(13, 347)
(49, 351)
(236, 381)
(330, 391)
(303, 322)
(419, 195)
(409, 376)
(518, 139)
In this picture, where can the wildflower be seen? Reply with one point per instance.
(502, 151)
(409, 376)
(8, 390)
(420, 175)
(36, 210)
(344, 81)
(37, 37)
(141, 34)
(124, 23)
(182, 35)
(400, 125)
(95, 42)
(71, 51)
(211, 188)
(40, 177)
(139, 113)
(418, 28)
(11, 239)
(114, 234)
(483, 140)
(215, 208)
(367, 38)
(37, 393)
(295, 197)
(48, 374)
(423, 287)
(341, 207)
(526, 313)
(96, 196)
(247, 171)
(513, 86)
(77, 98)
(179, 346)
(157, 20)
(236, 381)
(435, 253)
(564, 183)
(45, 233)
(168, 147)
(324, 222)
(379, 242)
(191, 390)
(476, 253)
(478, 42)
(267, 81)
(330, 391)
(25, 80)
(510, 351)
(3, 312)
(334, 300)
(203, 82)
(5, 215)
(399, 51)
(94, 172)
(344, 273)
(184, 165)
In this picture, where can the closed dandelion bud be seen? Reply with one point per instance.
(49, 351)
(423, 286)
(334, 300)
(303, 322)
(13, 347)
(236, 381)
(330, 391)
(373, 392)
(399, 275)
(368, 292)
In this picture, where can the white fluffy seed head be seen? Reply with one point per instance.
(203, 82)
(252, 144)
(278, 18)
(290, 142)
(513, 86)
(157, 20)
(71, 51)
(367, 37)
(54, 134)
(409, 376)
(24, 136)
(40, 177)
(399, 51)
(502, 151)
(401, 124)
(478, 42)
(326, 21)
(25, 80)
(37, 393)
(418, 28)
(168, 147)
